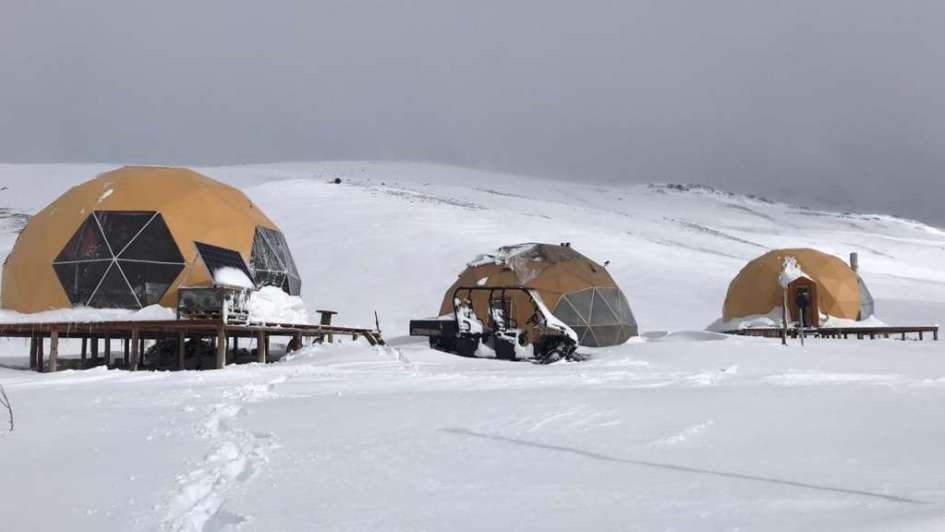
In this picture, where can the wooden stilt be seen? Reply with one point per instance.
(84, 354)
(94, 350)
(262, 346)
(135, 350)
(53, 351)
(127, 353)
(40, 356)
(108, 351)
(221, 348)
(181, 348)
(32, 352)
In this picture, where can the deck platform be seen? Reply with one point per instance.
(132, 336)
(843, 333)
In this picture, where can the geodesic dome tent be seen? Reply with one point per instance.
(839, 290)
(128, 238)
(577, 290)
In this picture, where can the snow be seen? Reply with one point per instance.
(680, 429)
(230, 276)
(87, 314)
(270, 304)
(790, 272)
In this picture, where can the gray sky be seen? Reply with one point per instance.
(841, 102)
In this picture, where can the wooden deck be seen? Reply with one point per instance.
(132, 335)
(844, 333)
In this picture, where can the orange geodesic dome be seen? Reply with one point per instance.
(839, 290)
(127, 239)
(577, 290)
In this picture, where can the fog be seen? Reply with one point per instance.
(831, 102)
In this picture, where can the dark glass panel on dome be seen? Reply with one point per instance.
(150, 280)
(267, 278)
(155, 243)
(600, 312)
(79, 279)
(581, 333)
(566, 313)
(114, 292)
(581, 301)
(589, 340)
(607, 334)
(272, 262)
(295, 286)
(120, 227)
(87, 243)
(263, 256)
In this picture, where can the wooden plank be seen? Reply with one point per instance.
(181, 349)
(221, 348)
(53, 351)
(39, 353)
(135, 351)
(262, 347)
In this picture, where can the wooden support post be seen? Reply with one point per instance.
(40, 356)
(84, 354)
(935, 335)
(221, 348)
(108, 351)
(262, 346)
(53, 351)
(94, 350)
(181, 349)
(135, 351)
(903, 337)
(127, 345)
(32, 352)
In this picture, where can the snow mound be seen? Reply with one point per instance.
(271, 305)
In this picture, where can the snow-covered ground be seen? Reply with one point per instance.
(680, 430)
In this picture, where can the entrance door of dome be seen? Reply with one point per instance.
(802, 302)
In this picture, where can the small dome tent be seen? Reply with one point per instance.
(834, 288)
(577, 290)
(128, 238)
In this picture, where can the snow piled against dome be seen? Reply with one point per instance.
(270, 304)
(790, 272)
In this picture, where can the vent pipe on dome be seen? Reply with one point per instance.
(855, 261)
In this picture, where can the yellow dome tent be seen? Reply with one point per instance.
(835, 289)
(126, 239)
(577, 290)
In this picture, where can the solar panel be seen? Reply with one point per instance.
(216, 258)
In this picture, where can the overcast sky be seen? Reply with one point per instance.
(841, 101)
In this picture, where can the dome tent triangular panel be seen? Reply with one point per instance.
(566, 281)
(189, 207)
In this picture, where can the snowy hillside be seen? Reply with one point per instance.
(682, 429)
